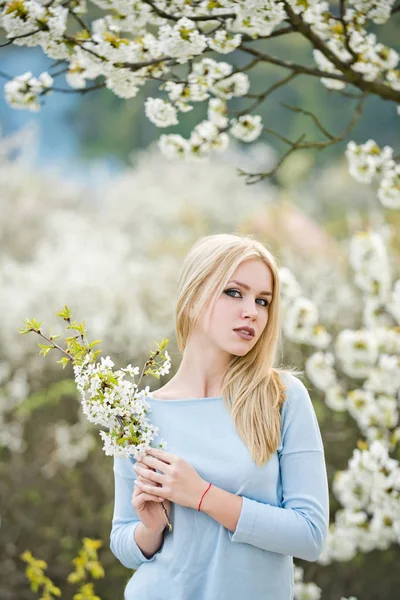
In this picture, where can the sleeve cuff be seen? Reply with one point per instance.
(245, 524)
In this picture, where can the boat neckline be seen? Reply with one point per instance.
(183, 399)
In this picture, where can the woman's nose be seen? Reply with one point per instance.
(250, 310)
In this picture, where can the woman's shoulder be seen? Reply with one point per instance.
(296, 393)
(291, 381)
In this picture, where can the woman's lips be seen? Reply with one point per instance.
(244, 336)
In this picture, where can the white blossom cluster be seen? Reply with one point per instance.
(370, 354)
(47, 24)
(111, 401)
(371, 501)
(301, 322)
(351, 43)
(136, 42)
(369, 490)
(25, 90)
(367, 161)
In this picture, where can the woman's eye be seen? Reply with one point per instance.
(266, 303)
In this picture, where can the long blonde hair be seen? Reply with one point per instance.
(252, 388)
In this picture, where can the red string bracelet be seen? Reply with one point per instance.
(198, 508)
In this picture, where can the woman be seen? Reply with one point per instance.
(234, 421)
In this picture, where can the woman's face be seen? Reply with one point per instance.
(241, 306)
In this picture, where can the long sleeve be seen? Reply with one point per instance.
(125, 520)
(299, 526)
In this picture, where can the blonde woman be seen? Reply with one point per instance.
(244, 479)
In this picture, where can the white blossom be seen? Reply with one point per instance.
(160, 112)
(320, 369)
(217, 113)
(182, 41)
(357, 351)
(258, 17)
(246, 128)
(235, 85)
(389, 189)
(24, 90)
(366, 160)
(224, 42)
(173, 145)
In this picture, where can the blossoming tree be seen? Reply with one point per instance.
(179, 44)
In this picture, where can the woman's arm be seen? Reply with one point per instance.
(130, 542)
(300, 525)
(148, 541)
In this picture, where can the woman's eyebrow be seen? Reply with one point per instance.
(246, 287)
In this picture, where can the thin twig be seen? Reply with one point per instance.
(261, 97)
(252, 178)
(19, 37)
(162, 13)
(299, 144)
(286, 64)
(53, 343)
(310, 114)
(78, 19)
(78, 91)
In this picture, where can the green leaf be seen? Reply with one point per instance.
(65, 313)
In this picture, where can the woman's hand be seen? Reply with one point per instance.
(178, 481)
(148, 507)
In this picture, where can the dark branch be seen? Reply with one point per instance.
(78, 19)
(286, 64)
(252, 178)
(259, 98)
(314, 118)
(300, 145)
(98, 86)
(19, 37)
(164, 15)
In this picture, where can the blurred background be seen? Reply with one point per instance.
(93, 217)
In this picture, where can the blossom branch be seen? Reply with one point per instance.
(375, 87)
(162, 13)
(345, 32)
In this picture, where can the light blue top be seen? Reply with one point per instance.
(285, 511)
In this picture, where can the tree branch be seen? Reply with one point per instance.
(310, 114)
(252, 178)
(378, 88)
(98, 86)
(19, 37)
(286, 64)
(164, 15)
(261, 97)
